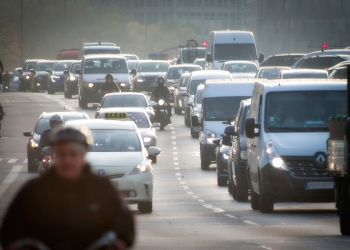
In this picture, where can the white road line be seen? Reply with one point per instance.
(10, 178)
(173, 142)
(251, 223)
(12, 160)
(201, 201)
(174, 153)
(25, 161)
(189, 192)
(218, 210)
(173, 132)
(186, 187)
(179, 178)
(176, 163)
(230, 216)
(195, 197)
(182, 183)
(176, 158)
(178, 174)
(177, 168)
(173, 137)
(174, 148)
(171, 128)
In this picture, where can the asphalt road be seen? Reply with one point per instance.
(190, 210)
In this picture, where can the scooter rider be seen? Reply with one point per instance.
(109, 86)
(69, 207)
(162, 92)
(55, 121)
(6, 80)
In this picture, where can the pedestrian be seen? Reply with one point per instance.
(1, 70)
(2, 114)
(69, 207)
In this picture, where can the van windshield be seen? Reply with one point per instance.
(302, 111)
(105, 66)
(101, 51)
(194, 85)
(222, 108)
(234, 51)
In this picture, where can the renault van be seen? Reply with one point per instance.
(287, 132)
(220, 104)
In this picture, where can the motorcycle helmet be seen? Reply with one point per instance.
(57, 119)
(71, 135)
(110, 76)
(161, 80)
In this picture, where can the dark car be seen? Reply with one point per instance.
(33, 151)
(339, 71)
(25, 78)
(221, 153)
(323, 61)
(146, 73)
(71, 79)
(237, 161)
(40, 75)
(281, 60)
(56, 76)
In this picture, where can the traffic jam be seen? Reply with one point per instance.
(267, 131)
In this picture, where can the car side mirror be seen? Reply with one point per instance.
(347, 130)
(156, 125)
(209, 58)
(19, 70)
(261, 58)
(251, 129)
(190, 104)
(184, 94)
(28, 133)
(227, 140)
(46, 151)
(153, 151)
(78, 71)
(65, 72)
(153, 104)
(32, 71)
(230, 130)
(96, 105)
(217, 142)
(48, 70)
(133, 72)
(178, 61)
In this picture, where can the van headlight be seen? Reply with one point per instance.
(122, 85)
(210, 137)
(147, 139)
(161, 102)
(73, 78)
(33, 144)
(274, 158)
(142, 168)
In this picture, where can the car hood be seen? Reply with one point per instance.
(42, 73)
(146, 132)
(150, 74)
(100, 78)
(243, 75)
(58, 73)
(114, 162)
(299, 144)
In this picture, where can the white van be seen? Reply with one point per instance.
(287, 135)
(231, 45)
(220, 103)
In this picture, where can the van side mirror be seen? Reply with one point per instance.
(261, 58)
(251, 129)
(133, 72)
(48, 70)
(209, 58)
(216, 142)
(78, 71)
(347, 130)
(227, 140)
(65, 72)
(230, 130)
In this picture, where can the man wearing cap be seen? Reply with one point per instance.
(69, 207)
(109, 86)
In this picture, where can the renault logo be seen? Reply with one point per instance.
(101, 172)
(320, 160)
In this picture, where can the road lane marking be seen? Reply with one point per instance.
(201, 201)
(251, 223)
(186, 187)
(173, 132)
(195, 197)
(171, 128)
(179, 178)
(25, 161)
(177, 168)
(218, 210)
(10, 178)
(174, 153)
(62, 103)
(173, 142)
(178, 174)
(174, 148)
(173, 137)
(189, 192)
(176, 158)
(230, 216)
(12, 160)
(182, 182)
(176, 163)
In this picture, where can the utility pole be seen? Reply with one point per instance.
(21, 32)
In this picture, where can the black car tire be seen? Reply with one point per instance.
(205, 163)
(20, 88)
(266, 204)
(241, 190)
(83, 103)
(145, 207)
(187, 122)
(222, 181)
(344, 208)
(79, 101)
(69, 94)
(32, 166)
(254, 200)
(195, 135)
(177, 111)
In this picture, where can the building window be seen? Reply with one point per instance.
(199, 3)
(212, 3)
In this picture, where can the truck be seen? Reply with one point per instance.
(190, 52)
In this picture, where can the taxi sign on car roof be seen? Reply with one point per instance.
(116, 116)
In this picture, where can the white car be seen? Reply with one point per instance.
(240, 69)
(140, 117)
(118, 153)
(303, 73)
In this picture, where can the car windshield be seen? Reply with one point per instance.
(184, 81)
(241, 68)
(340, 73)
(43, 124)
(282, 60)
(153, 67)
(191, 54)
(305, 75)
(194, 86)
(15, 73)
(101, 51)
(105, 66)
(320, 62)
(61, 66)
(227, 52)
(124, 101)
(269, 73)
(199, 95)
(29, 66)
(301, 111)
(176, 72)
(44, 66)
(114, 140)
(75, 67)
(222, 108)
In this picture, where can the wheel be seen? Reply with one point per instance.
(187, 122)
(145, 207)
(21, 89)
(222, 181)
(83, 104)
(177, 111)
(79, 102)
(266, 204)
(241, 190)
(153, 158)
(194, 135)
(65, 94)
(344, 208)
(254, 200)
(161, 128)
(69, 95)
(32, 167)
(205, 163)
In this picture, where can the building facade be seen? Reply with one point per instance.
(287, 26)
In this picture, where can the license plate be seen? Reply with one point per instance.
(319, 185)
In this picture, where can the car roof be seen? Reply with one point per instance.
(101, 47)
(155, 61)
(58, 61)
(35, 60)
(123, 110)
(46, 61)
(291, 54)
(302, 84)
(298, 71)
(103, 56)
(186, 74)
(188, 65)
(239, 62)
(63, 114)
(274, 67)
(102, 124)
(124, 93)
(203, 74)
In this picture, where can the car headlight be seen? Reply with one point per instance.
(27, 77)
(172, 89)
(142, 168)
(139, 80)
(274, 158)
(88, 84)
(122, 85)
(210, 137)
(33, 144)
(73, 78)
(38, 84)
(161, 102)
(225, 156)
(147, 139)
(243, 155)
